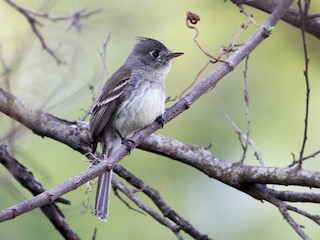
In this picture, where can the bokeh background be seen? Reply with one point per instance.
(277, 99)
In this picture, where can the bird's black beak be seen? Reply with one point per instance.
(173, 55)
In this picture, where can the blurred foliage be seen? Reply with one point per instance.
(277, 100)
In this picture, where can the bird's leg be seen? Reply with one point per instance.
(127, 142)
(160, 120)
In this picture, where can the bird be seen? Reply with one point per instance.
(132, 98)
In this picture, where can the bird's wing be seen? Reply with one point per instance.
(112, 96)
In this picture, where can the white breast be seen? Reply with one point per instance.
(144, 105)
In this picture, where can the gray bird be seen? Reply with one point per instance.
(132, 98)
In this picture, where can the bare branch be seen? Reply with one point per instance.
(227, 172)
(241, 135)
(27, 180)
(312, 155)
(191, 20)
(247, 14)
(34, 24)
(247, 111)
(292, 15)
(291, 196)
(117, 185)
(283, 208)
(130, 194)
(103, 73)
(74, 134)
(166, 210)
(304, 14)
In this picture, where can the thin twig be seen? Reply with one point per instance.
(247, 111)
(195, 79)
(314, 218)
(104, 57)
(34, 24)
(312, 155)
(155, 196)
(191, 20)
(103, 73)
(259, 191)
(283, 208)
(116, 184)
(241, 135)
(303, 14)
(250, 16)
(130, 194)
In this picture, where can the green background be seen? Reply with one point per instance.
(277, 98)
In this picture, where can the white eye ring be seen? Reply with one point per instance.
(155, 54)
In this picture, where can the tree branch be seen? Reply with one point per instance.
(303, 14)
(292, 15)
(34, 24)
(26, 179)
(232, 174)
(130, 193)
(72, 133)
(166, 210)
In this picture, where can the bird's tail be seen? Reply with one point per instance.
(104, 180)
(103, 195)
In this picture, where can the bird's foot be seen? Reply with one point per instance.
(160, 120)
(128, 143)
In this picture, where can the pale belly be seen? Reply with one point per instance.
(139, 112)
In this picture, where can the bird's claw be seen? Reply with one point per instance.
(128, 143)
(160, 120)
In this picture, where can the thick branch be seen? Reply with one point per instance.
(233, 174)
(74, 134)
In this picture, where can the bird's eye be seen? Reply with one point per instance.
(155, 54)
